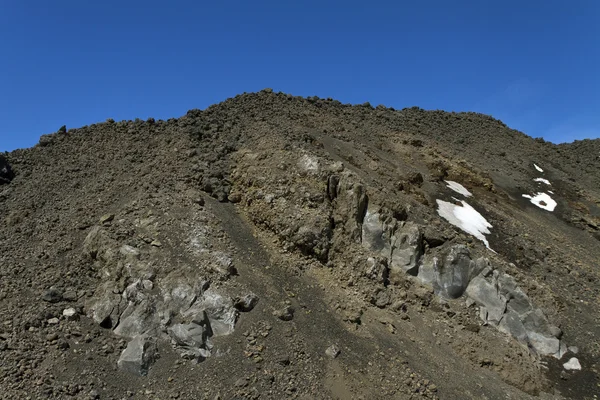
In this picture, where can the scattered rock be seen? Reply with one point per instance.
(106, 218)
(52, 295)
(234, 197)
(572, 365)
(246, 303)
(70, 314)
(284, 314)
(333, 351)
(241, 383)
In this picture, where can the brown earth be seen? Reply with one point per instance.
(266, 194)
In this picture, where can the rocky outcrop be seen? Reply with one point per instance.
(450, 274)
(138, 306)
(399, 242)
(6, 173)
(501, 302)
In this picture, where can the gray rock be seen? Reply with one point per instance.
(70, 295)
(512, 325)
(405, 250)
(399, 242)
(572, 365)
(284, 314)
(333, 351)
(137, 319)
(544, 345)
(52, 295)
(492, 304)
(219, 310)
(138, 356)
(246, 303)
(99, 246)
(377, 269)
(106, 218)
(450, 275)
(70, 314)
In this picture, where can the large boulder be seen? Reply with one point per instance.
(450, 274)
(504, 305)
(138, 356)
(6, 173)
(397, 241)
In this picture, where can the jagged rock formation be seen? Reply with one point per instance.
(273, 246)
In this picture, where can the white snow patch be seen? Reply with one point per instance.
(550, 191)
(572, 364)
(538, 168)
(542, 200)
(466, 218)
(546, 181)
(458, 188)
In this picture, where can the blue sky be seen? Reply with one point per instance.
(533, 64)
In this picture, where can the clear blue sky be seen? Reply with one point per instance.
(533, 64)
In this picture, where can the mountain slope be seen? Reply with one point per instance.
(222, 253)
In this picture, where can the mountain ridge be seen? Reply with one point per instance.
(295, 201)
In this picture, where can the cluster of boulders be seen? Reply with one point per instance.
(137, 305)
(398, 249)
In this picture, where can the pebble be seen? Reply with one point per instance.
(70, 314)
(333, 351)
(285, 314)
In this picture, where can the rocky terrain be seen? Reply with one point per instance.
(274, 247)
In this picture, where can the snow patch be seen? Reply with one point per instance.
(572, 364)
(546, 181)
(542, 200)
(466, 218)
(458, 188)
(538, 168)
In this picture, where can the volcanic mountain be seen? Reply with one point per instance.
(274, 246)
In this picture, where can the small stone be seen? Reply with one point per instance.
(234, 197)
(52, 337)
(52, 295)
(70, 314)
(285, 314)
(70, 295)
(572, 365)
(283, 360)
(246, 303)
(106, 218)
(53, 321)
(62, 344)
(94, 395)
(240, 383)
(156, 243)
(333, 351)
(573, 349)
(147, 284)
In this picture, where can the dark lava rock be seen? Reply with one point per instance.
(6, 173)
(52, 295)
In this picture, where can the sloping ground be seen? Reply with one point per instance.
(273, 246)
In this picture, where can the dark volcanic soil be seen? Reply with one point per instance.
(267, 194)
